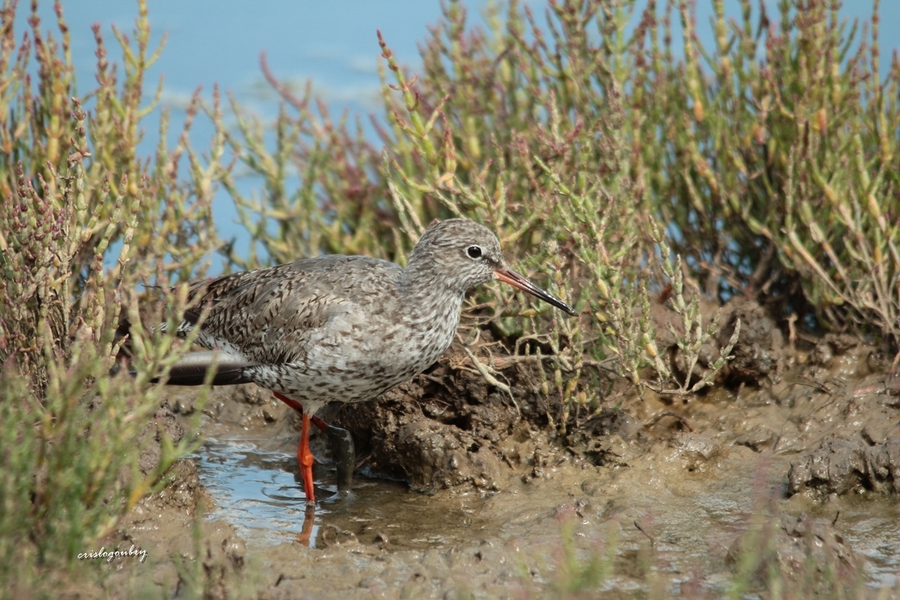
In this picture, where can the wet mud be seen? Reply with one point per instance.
(461, 488)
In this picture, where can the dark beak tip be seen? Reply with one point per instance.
(511, 277)
(565, 308)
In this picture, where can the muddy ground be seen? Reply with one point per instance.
(463, 489)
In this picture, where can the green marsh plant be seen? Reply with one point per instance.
(769, 157)
(84, 223)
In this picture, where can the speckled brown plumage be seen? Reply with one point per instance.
(344, 328)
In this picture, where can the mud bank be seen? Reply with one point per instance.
(461, 490)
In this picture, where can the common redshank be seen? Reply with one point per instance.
(342, 328)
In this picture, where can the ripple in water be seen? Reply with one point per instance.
(260, 493)
(257, 491)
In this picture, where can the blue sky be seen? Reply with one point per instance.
(333, 43)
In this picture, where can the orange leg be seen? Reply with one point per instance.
(344, 453)
(305, 458)
(322, 425)
(292, 403)
(304, 455)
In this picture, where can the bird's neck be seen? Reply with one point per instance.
(427, 292)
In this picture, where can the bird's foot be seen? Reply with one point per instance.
(305, 460)
(341, 444)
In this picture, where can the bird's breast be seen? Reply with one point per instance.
(352, 362)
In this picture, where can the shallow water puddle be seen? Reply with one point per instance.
(875, 535)
(253, 490)
(255, 484)
(260, 493)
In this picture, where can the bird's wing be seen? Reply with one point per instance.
(217, 294)
(273, 315)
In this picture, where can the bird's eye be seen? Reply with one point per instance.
(474, 252)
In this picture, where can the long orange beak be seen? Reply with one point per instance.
(509, 276)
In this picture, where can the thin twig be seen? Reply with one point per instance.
(674, 415)
(485, 372)
(642, 530)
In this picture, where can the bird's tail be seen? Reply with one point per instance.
(193, 367)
